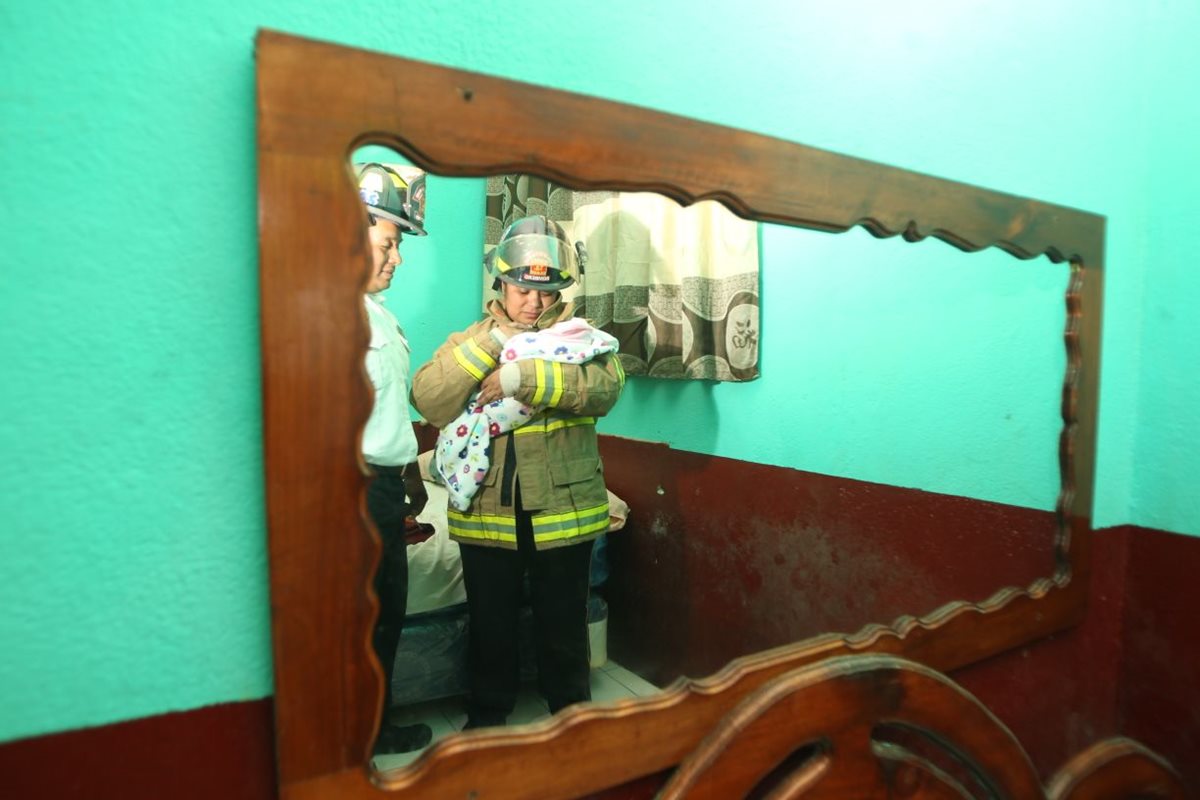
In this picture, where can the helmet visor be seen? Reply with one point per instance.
(535, 259)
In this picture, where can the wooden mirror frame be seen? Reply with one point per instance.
(317, 102)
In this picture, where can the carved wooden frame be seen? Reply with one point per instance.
(316, 103)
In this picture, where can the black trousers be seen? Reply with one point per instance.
(388, 507)
(558, 583)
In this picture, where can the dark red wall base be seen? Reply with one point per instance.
(1132, 667)
(1059, 695)
(1158, 686)
(225, 751)
(759, 555)
(723, 558)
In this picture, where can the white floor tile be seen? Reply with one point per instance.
(605, 689)
(636, 685)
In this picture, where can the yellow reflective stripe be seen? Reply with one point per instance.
(487, 520)
(616, 359)
(542, 426)
(547, 382)
(483, 356)
(474, 359)
(545, 520)
(485, 527)
(539, 381)
(483, 536)
(558, 383)
(597, 527)
(466, 364)
(546, 527)
(569, 524)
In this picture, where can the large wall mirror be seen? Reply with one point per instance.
(459, 128)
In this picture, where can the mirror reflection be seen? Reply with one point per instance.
(393, 203)
(695, 559)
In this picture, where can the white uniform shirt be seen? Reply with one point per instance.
(388, 439)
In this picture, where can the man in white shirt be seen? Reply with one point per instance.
(389, 444)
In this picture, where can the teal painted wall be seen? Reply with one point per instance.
(133, 544)
(1165, 457)
(915, 365)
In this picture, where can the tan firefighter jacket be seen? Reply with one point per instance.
(555, 455)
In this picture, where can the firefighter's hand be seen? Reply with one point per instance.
(414, 487)
(490, 388)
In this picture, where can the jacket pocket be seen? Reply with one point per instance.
(493, 474)
(583, 479)
(575, 470)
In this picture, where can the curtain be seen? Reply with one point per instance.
(677, 286)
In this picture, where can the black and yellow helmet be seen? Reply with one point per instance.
(388, 196)
(534, 253)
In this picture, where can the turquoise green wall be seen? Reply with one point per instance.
(915, 365)
(133, 560)
(1165, 460)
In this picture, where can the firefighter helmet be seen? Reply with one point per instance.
(534, 253)
(389, 196)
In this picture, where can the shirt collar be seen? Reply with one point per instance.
(376, 300)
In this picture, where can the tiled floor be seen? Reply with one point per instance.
(609, 682)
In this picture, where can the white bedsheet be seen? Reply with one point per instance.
(434, 565)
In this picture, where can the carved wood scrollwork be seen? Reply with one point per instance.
(842, 727)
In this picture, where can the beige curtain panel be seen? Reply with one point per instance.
(677, 286)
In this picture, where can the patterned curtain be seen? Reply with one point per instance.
(677, 286)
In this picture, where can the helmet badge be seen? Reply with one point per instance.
(539, 269)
